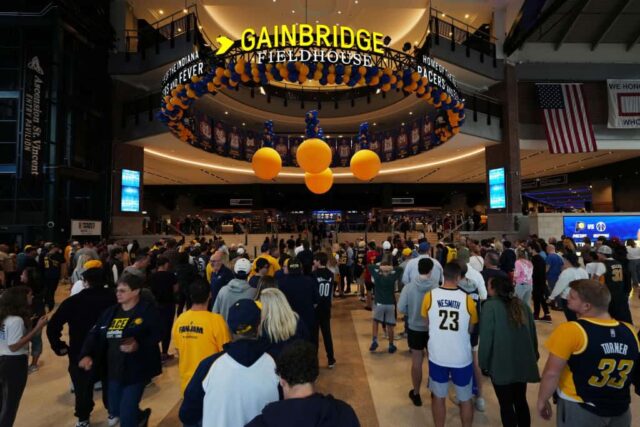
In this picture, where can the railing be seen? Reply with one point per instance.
(461, 35)
(140, 108)
(181, 23)
(478, 103)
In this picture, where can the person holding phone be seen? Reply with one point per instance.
(125, 341)
(15, 334)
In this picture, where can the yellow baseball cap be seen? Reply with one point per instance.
(406, 252)
(94, 263)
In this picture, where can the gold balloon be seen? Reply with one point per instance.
(365, 165)
(314, 155)
(266, 163)
(319, 183)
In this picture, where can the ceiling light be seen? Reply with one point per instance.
(161, 12)
(301, 136)
(402, 124)
(375, 124)
(339, 12)
(199, 27)
(377, 91)
(356, 2)
(179, 29)
(293, 11)
(339, 136)
(443, 15)
(244, 124)
(262, 90)
(317, 21)
(226, 113)
(466, 16)
(411, 113)
(185, 11)
(450, 33)
(337, 24)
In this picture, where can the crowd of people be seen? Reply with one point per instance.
(246, 332)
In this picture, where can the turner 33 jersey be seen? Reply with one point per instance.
(601, 356)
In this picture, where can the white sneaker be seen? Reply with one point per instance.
(480, 404)
(113, 420)
(83, 424)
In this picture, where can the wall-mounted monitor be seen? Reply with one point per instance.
(497, 189)
(592, 226)
(130, 191)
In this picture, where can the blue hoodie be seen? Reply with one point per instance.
(313, 411)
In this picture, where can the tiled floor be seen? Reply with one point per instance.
(376, 385)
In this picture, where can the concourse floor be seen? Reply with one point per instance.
(375, 384)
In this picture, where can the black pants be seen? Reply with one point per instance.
(539, 294)
(83, 382)
(13, 379)
(167, 314)
(50, 286)
(345, 274)
(323, 323)
(514, 410)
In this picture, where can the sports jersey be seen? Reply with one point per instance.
(614, 278)
(600, 356)
(370, 258)
(324, 288)
(449, 312)
(196, 335)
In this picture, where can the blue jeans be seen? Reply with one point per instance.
(124, 402)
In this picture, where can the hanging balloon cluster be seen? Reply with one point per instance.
(314, 157)
(365, 164)
(266, 162)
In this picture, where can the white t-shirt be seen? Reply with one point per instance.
(475, 276)
(77, 287)
(596, 268)
(633, 253)
(235, 394)
(477, 262)
(567, 276)
(11, 331)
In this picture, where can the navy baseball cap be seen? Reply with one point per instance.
(244, 316)
(423, 247)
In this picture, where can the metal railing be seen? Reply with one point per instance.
(178, 24)
(460, 35)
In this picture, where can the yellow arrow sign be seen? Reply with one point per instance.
(225, 44)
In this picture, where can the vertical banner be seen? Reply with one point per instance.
(376, 143)
(250, 145)
(624, 104)
(204, 132)
(427, 132)
(388, 147)
(344, 152)
(33, 118)
(220, 137)
(235, 148)
(403, 143)
(414, 142)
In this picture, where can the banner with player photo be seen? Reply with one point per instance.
(228, 140)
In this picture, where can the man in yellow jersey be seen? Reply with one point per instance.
(271, 254)
(450, 316)
(198, 333)
(590, 364)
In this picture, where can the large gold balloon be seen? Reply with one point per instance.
(266, 163)
(314, 155)
(319, 183)
(365, 165)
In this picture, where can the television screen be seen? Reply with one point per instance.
(497, 190)
(621, 226)
(130, 191)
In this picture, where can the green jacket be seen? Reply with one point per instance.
(509, 353)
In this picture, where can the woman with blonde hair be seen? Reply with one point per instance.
(279, 324)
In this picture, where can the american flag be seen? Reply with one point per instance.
(567, 124)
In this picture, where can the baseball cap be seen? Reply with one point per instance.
(386, 245)
(423, 247)
(243, 317)
(293, 265)
(605, 250)
(240, 251)
(242, 265)
(93, 263)
(406, 252)
(361, 244)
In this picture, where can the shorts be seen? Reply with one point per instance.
(439, 377)
(417, 340)
(385, 314)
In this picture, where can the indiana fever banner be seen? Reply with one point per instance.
(228, 140)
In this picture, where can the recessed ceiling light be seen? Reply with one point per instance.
(244, 124)
(293, 11)
(179, 29)
(375, 124)
(443, 15)
(317, 21)
(411, 113)
(402, 124)
(337, 24)
(339, 12)
(161, 12)
(466, 16)
(200, 26)
(185, 11)
(226, 113)
(356, 1)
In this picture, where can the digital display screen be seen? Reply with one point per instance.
(621, 226)
(326, 216)
(497, 189)
(130, 191)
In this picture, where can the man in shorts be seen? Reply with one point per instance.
(451, 314)
(384, 309)
(410, 304)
